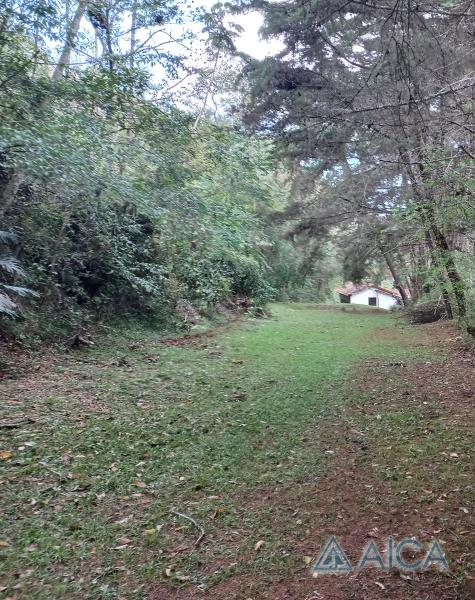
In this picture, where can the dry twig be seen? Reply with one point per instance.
(195, 523)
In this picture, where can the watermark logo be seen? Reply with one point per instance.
(333, 558)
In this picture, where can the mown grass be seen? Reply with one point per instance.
(128, 431)
(423, 453)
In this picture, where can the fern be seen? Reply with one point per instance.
(10, 265)
(20, 291)
(10, 268)
(8, 237)
(7, 306)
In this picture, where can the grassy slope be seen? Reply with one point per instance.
(128, 431)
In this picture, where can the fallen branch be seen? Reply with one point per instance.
(77, 341)
(467, 152)
(195, 523)
(16, 423)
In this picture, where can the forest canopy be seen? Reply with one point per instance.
(376, 100)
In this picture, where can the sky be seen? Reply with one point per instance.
(249, 41)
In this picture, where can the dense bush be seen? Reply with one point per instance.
(426, 312)
(119, 205)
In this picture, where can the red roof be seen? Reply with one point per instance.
(352, 288)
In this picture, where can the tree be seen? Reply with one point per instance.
(379, 96)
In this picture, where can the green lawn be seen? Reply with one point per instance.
(128, 431)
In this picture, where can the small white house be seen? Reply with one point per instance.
(368, 294)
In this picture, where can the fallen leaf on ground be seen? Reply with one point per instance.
(124, 541)
(139, 484)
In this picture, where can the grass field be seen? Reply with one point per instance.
(110, 443)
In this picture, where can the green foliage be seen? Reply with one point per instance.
(123, 205)
(10, 271)
(359, 103)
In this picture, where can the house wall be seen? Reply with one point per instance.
(383, 300)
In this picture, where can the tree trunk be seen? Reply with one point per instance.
(71, 34)
(395, 275)
(133, 36)
(108, 36)
(443, 281)
(8, 191)
(458, 285)
(208, 91)
(443, 249)
(425, 210)
(413, 287)
(12, 180)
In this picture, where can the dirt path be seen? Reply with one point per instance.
(271, 436)
(402, 466)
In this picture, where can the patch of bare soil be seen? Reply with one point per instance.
(356, 499)
(195, 339)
